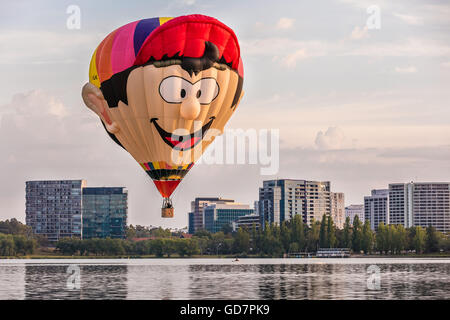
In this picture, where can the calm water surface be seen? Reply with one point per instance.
(225, 279)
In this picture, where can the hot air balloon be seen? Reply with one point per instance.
(160, 86)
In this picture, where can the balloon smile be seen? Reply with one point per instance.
(184, 142)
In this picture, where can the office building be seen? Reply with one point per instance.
(247, 222)
(354, 210)
(191, 223)
(196, 216)
(376, 208)
(104, 212)
(281, 200)
(338, 209)
(420, 204)
(218, 215)
(53, 208)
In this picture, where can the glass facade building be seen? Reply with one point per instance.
(104, 212)
(196, 217)
(219, 215)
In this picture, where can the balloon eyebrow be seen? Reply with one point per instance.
(191, 83)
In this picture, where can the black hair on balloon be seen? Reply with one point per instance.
(115, 88)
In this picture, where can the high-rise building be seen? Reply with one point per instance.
(420, 204)
(281, 200)
(376, 208)
(191, 223)
(196, 216)
(104, 212)
(354, 210)
(218, 215)
(53, 208)
(338, 209)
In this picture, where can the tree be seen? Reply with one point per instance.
(298, 232)
(285, 233)
(432, 241)
(157, 247)
(331, 233)
(191, 247)
(7, 245)
(323, 233)
(130, 232)
(241, 242)
(419, 239)
(227, 228)
(400, 238)
(347, 234)
(202, 233)
(356, 235)
(314, 235)
(367, 238)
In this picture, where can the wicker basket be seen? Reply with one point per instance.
(167, 212)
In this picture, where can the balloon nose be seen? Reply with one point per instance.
(190, 108)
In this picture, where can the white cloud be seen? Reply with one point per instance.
(284, 50)
(359, 33)
(410, 47)
(285, 23)
(411, 20)
(291, 59)
(332, 139)
(410, 69)
(446, 64)
(39, 47)
(34, 103)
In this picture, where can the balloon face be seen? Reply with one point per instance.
(166, 112)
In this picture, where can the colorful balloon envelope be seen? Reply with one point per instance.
(163, 89)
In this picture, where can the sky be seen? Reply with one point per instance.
(356, 105)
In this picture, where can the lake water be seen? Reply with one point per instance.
(352, 278)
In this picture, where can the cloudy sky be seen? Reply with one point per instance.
(358, 106)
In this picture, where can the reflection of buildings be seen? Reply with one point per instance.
(97, 282)
(218, 215)
(12, 281)
(53, 208)
(196, 216)
(376, 208)
(281, 200)
(354, 210)
(104, 212)
(338, 209)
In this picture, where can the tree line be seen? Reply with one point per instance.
(292, 236)
(16, 239)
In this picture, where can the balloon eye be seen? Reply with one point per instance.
(208, 89)
(174, 89)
